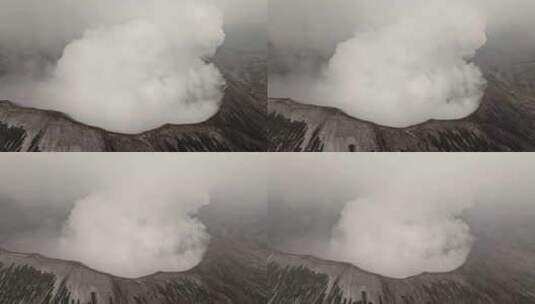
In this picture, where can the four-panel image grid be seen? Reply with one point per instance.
(267, 152)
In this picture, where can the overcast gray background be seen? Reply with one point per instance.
(306, 192)
(319, 25)
(37, 192)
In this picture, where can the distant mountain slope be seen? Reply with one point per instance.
(231, 273)
(496, 272)
(238, 126)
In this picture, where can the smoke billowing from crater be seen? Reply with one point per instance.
(402, 234)
(132, 231)
(412, 70)
(395, 63)
(411, 67)
(126, 66)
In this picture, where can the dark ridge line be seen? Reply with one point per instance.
(312, 258)
(61, 115)
(73, 263)
(337, 111)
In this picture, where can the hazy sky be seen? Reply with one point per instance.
(244, 11)
(321, 25)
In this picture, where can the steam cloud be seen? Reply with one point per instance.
(402, 234)
(139, 230)
(126, 66)
(410, 67)
(399, 230)
(412, 70)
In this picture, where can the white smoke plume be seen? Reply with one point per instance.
(399, 230)
(408, 63)
(131, 230)
(127, 66)
(402, 234)
(413, 70)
